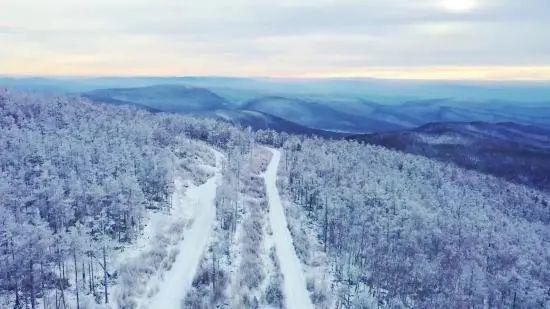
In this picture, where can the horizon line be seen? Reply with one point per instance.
(280, 77)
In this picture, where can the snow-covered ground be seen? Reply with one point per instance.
(177, 281)
(294, 283)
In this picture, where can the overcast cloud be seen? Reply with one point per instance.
(464, 38)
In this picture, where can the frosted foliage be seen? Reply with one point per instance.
(415, 232)
(77, 180)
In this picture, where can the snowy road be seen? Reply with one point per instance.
(294, 283)
(177, 281)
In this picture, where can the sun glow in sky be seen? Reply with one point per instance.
(459, 6)
(435, 39)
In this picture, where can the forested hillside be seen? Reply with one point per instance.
(100, 205)
(76, 180)
(512, 151)
(414, 232)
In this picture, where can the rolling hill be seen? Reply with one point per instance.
(516, 152)
(262, 121)
(318, 115)
(166, 98)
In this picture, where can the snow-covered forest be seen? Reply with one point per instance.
(78, 181)
(413, 232)
(99, 206)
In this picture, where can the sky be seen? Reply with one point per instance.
(417, 39)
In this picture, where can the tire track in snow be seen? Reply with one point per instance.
(294, 283)
(177, 281)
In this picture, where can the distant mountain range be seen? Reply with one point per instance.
(321, 114)
(199, 102)
(519, 153)
(318, 115)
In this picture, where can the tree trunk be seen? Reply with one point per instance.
(105, 274)
(31, 279)
(17, 300)
(83, 275)
(76, 279)
(213, 273)
(42, 286)
(325, 229)
(61, 282)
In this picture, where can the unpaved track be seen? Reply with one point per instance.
(177, 281)
(294, 283)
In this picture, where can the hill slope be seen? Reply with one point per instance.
(262, 121)
(166, 98)
(318, 115)
(516, 152)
